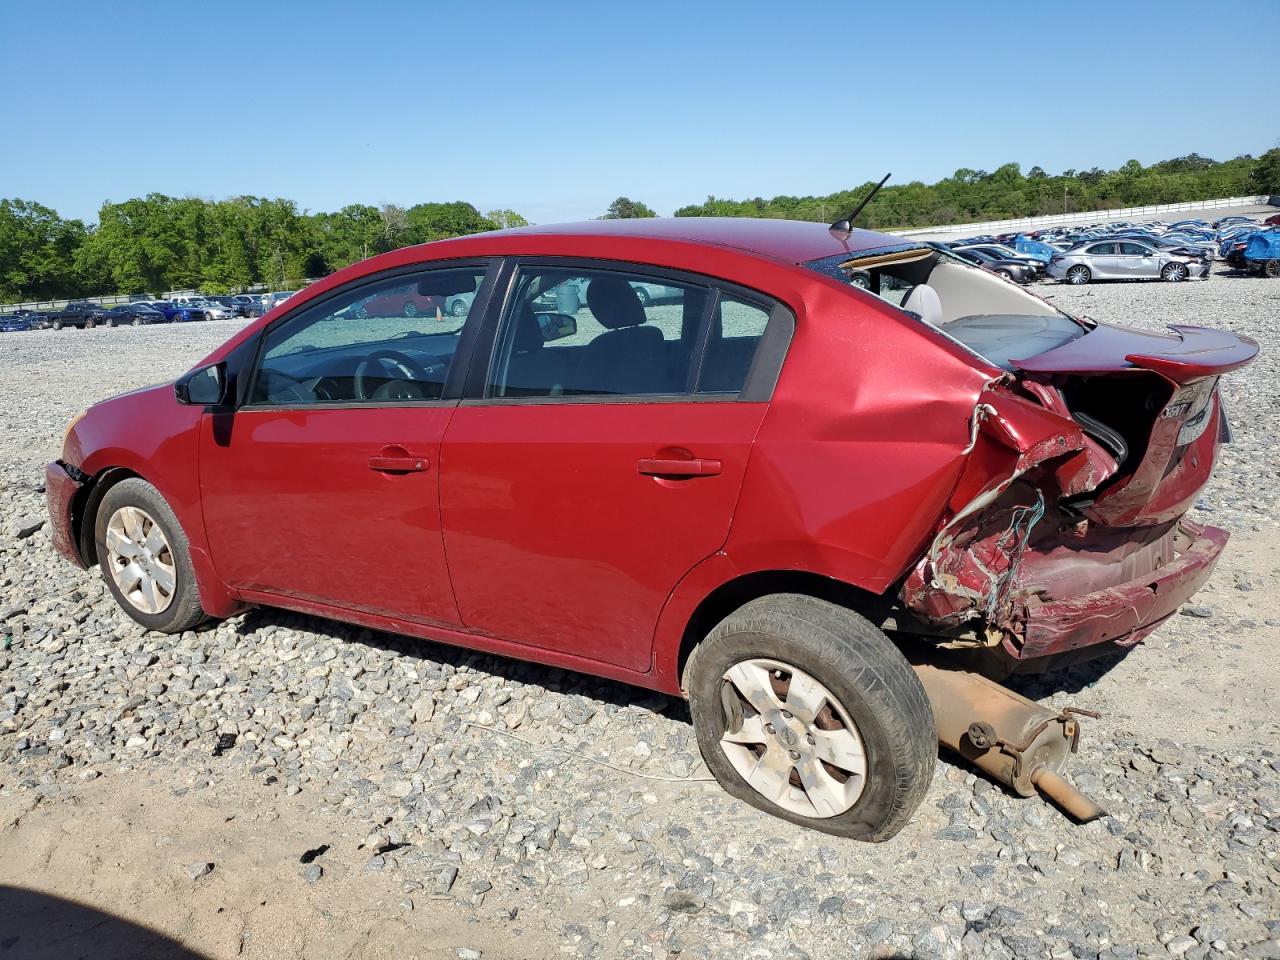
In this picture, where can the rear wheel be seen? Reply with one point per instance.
(145, 558)
(805, 710)
(458, 308)
(89, 324)
(55, 325)
(1174, 272)
(1079, 274)
(410, 309)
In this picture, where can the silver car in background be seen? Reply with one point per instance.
(1125, 260)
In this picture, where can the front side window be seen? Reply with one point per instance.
(386, 341)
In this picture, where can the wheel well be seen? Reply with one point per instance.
(728, 597)
(84, 511)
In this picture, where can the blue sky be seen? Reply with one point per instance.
(554, 109)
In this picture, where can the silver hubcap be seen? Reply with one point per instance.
(797, 746)
(141, 561)
(1078, 275)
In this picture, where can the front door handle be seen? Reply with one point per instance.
(662, 467)
(396, 459)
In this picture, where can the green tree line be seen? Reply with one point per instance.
(1006, 193)
(158, 243)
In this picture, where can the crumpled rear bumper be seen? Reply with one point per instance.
(60, 490)
(1125, 613)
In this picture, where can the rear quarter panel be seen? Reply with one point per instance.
(863, 443)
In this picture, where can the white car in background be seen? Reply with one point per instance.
(211, 308)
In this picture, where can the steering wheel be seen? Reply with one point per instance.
(401, 387)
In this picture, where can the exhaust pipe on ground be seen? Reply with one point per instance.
(1016, 741)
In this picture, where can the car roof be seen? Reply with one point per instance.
(792, 241)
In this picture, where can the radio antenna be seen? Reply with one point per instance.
(846, 225)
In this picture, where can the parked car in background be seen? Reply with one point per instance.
(14, 323)
(1014, 270)
(1125, 260)
(407, 303)
(77, 313)
(999, 251)
(247, 305)
(178, 312)
(684, 498)
(272, 300)
(211, 309)
(133, 314)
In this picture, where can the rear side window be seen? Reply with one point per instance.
(569, 333)
(737, 327)
(576, 333)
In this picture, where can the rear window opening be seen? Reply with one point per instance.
(991, 317)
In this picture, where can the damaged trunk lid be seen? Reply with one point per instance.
(1066, 527)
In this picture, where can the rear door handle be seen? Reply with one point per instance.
(660, 467)
(396, 459)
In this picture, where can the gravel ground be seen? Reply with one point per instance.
(571, 815)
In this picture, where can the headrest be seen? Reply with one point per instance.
(924, 300)
(614, 303)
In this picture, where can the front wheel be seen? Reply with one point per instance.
(411, 309)
(805, 710)
(1079, 274)
(458, 308)
(145, 558)
(1271, 268)
(55, 325)
(89, 324)
(1174, 272)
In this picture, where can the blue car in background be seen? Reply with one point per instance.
(177, 312)
(1035, 248)
(13, 323)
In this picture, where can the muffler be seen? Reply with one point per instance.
(1016, 741)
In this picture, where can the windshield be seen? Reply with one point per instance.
(989, 316)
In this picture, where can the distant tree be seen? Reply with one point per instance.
(507, 218)
(624, 209)
(1037, 173)
(37, 251)
(1265, 177)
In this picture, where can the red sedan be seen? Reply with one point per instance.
(775, 493)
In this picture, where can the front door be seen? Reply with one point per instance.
(605, 458)
(323, 486)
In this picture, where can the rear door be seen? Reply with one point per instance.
(1104, 260)
(602, 451)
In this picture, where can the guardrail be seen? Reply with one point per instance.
(1091, 216)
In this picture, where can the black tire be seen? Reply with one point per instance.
(1271, 268)
(89, 323)
(458, 308)
(184, 611)
(1004, 273)
(410, 309)
(862, 669)
(136, 322)
(1174, 272)
(55, 325)
(1079, 275)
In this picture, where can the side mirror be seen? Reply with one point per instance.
(204, 387)
(556, 326)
